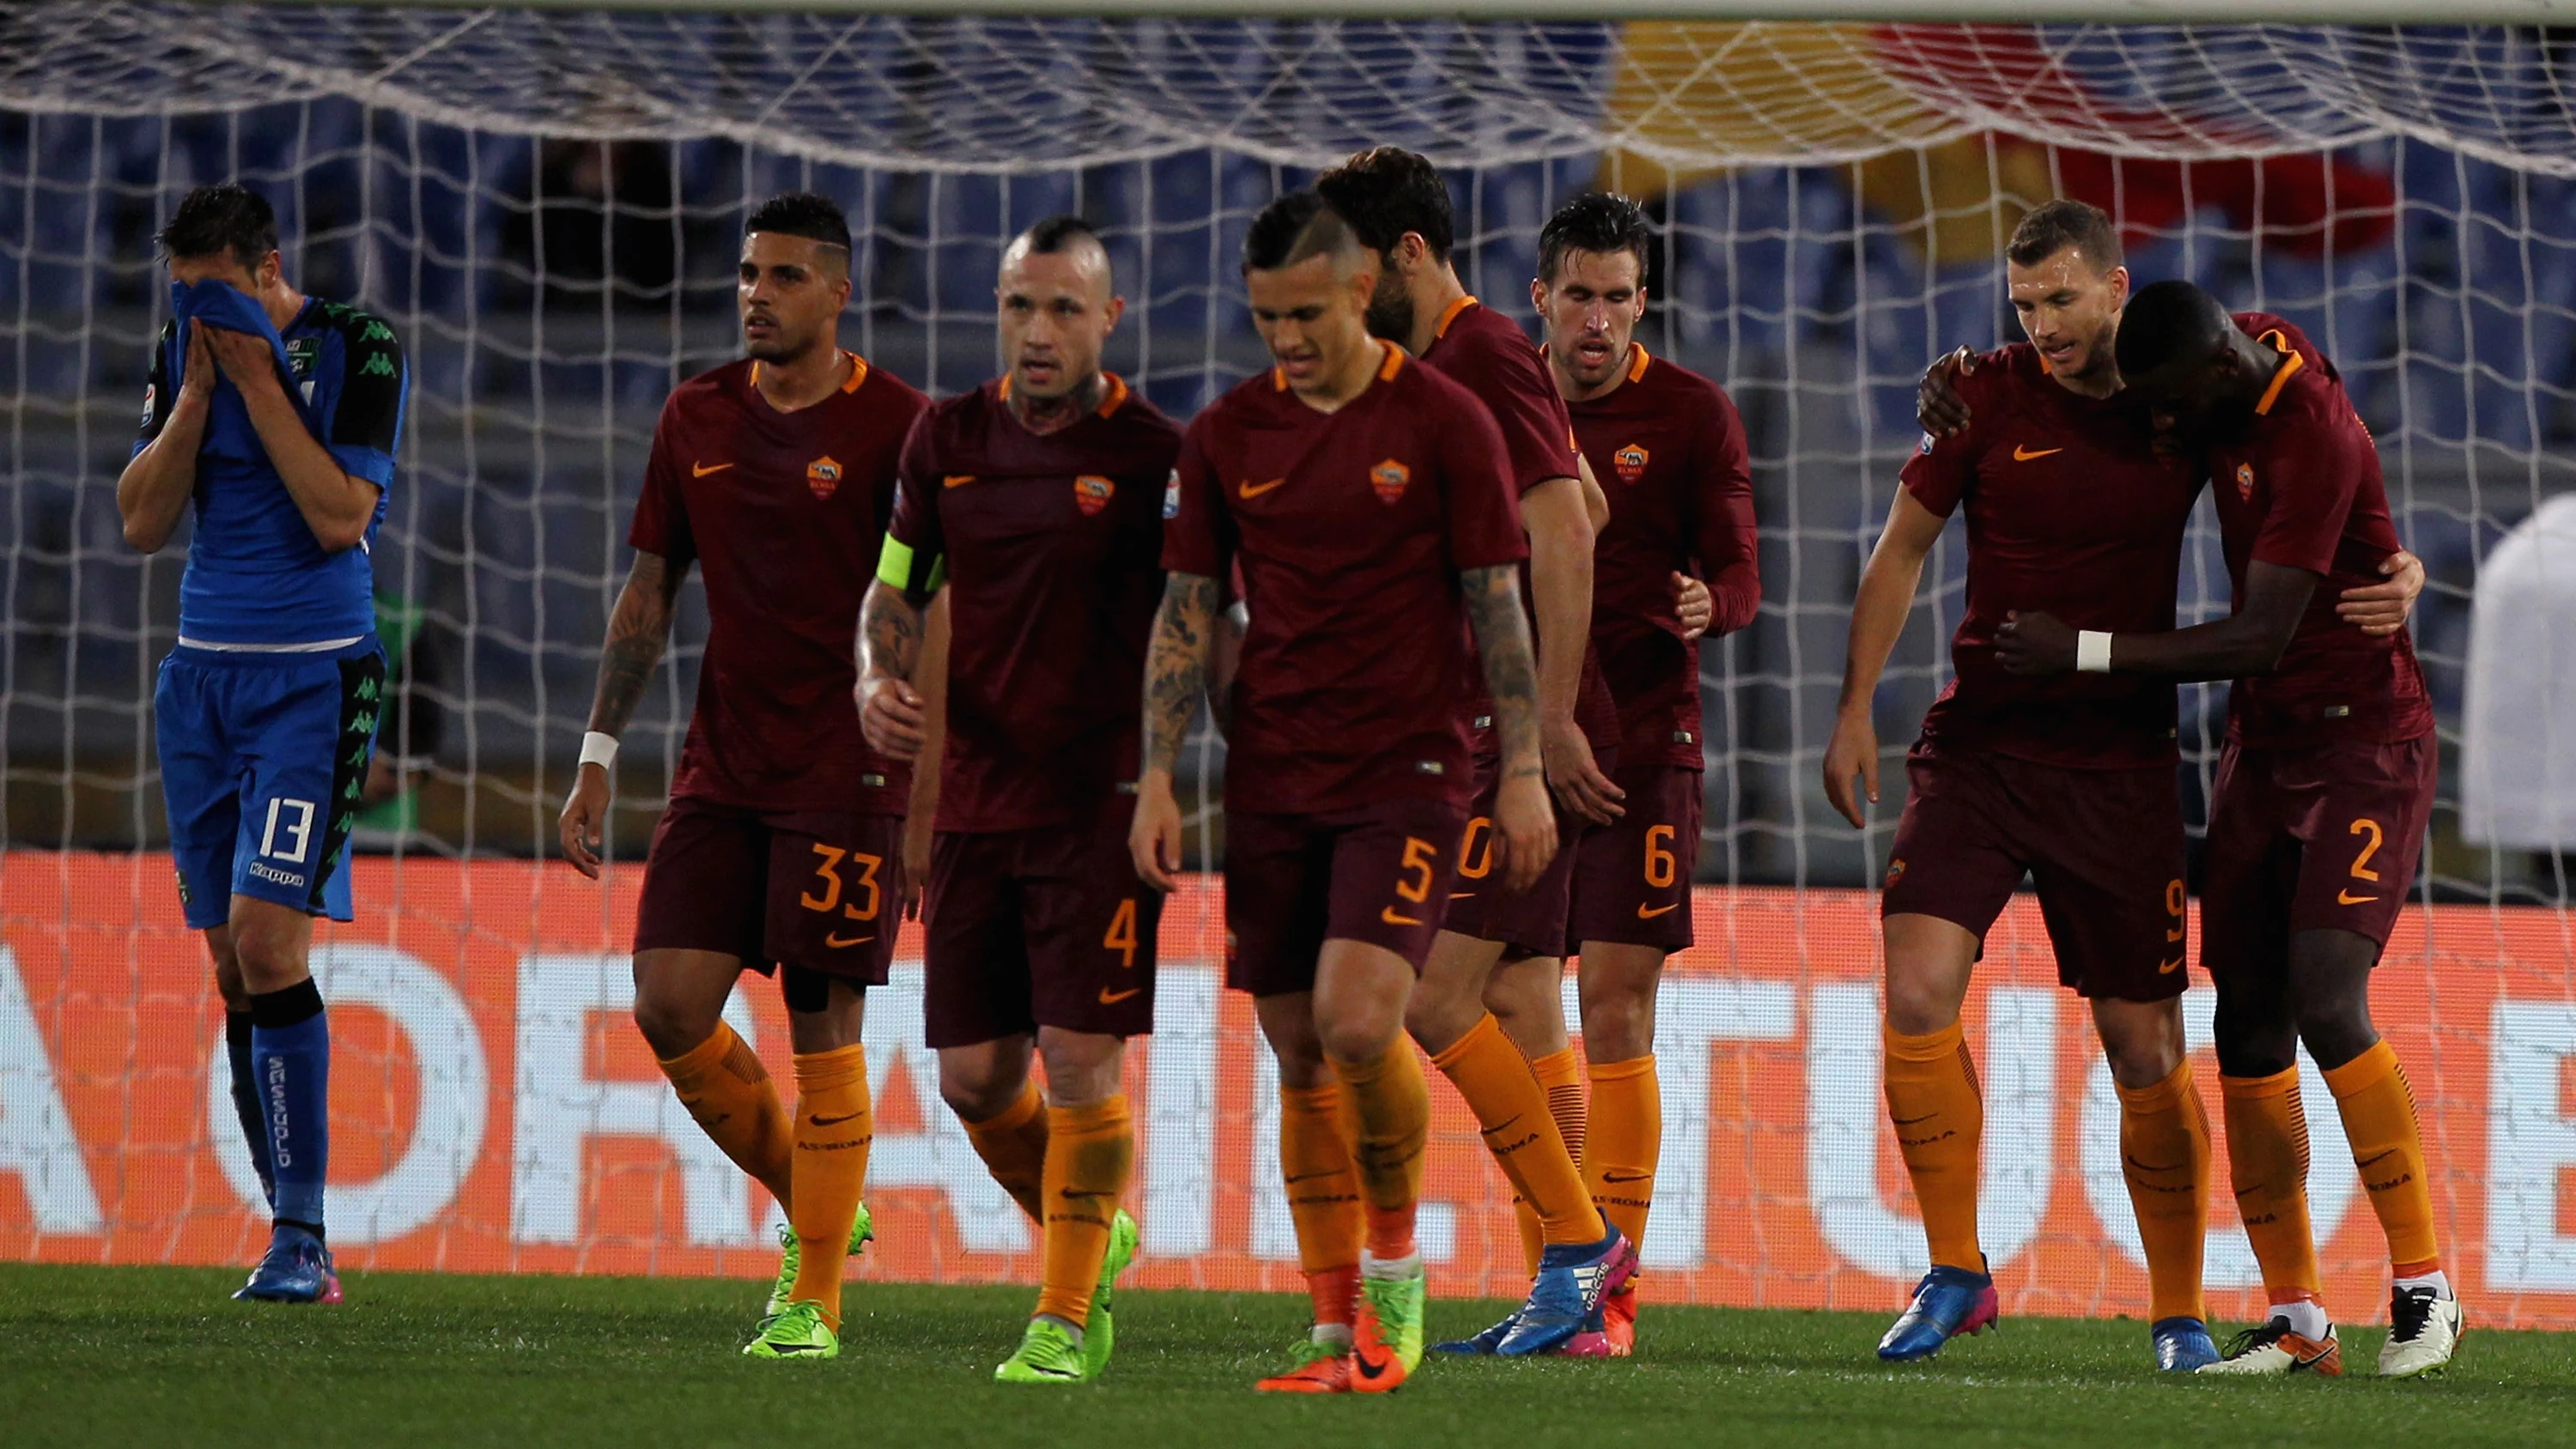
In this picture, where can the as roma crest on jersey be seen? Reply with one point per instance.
(1630, 463)
(1091, 493)
(1389, 478)
(2245, 481)
(823, 476)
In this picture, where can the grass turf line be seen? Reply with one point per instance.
(160, 1355)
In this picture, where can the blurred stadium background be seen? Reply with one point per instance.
(546, 202)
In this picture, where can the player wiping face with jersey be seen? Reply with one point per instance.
(277, 416)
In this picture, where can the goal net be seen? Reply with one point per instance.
(546, 204)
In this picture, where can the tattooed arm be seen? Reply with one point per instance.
(890, 707)
(1176, 667)
(1522, 817)
(637, 629)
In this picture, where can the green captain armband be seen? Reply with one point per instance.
(899, 566)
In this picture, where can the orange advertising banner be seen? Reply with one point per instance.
(493, 1109)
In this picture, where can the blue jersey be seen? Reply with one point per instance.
(256, 576)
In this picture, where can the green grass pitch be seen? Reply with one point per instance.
(160, 1357)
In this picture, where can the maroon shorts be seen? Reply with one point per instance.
(1041, 927)
(1527, 923)
(2319, 838)
(2104, 848)
(807, 889)
(1378, 874)
(1632, 878)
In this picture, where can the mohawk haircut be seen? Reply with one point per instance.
(1055, 233)
(225, 217)
(1387, 192)
(1294, 228)
(1601, 222)
(2054, 226)
(802, 213)
(2166, 321)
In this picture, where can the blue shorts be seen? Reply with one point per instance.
(262, 762)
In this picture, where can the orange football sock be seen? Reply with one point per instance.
(1932, 1100)
(1560, 1075)
(833, 1129)
(1392, 1106)
(2164, 1155)
(1336, 1296)
(728, 1091)
(1323, 1185)
(2267, 1166)
(1014, 1148)
(2379, 1118)
(1504, 1094)
(1625, 1143)
(1091, 1149)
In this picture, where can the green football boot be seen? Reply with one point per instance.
(1047, 1355)
(796, 1331)
(791, 1255)
(1100, 1334)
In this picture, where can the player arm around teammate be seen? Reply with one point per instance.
(1032, 509)
(278, 417)
(779, 850)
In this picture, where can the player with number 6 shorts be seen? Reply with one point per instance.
(780, 849)
(1034, 507)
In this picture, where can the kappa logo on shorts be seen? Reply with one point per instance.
(823, 475)
(1091, 493)
(1389, 479)
(1895, 871)
(2245, 481)
(1630, 463)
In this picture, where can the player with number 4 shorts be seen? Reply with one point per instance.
(1364, 499)
(1034, 506)
(2323, 794)
(779, 850)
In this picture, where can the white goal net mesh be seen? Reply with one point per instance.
(546, 205)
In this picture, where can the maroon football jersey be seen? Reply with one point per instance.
(1351, 528)
(783, 512)
(1052, 546)
(1484, 350)
(2299, 486)
(1669, 449)
(2070, 512)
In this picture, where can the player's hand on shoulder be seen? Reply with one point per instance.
(1852, 752)
(1937, 404)
(1154, 837)
(585, 813)
(890, 715)
(2034, 643)
(2381, 609)
(245, 359)
(1526, 825)
(1574, 776)
(1691, 602)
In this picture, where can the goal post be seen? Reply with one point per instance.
(545, 199)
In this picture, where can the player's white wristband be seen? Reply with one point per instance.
(2092, 651)
(599, 749)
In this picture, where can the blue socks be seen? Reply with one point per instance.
(290, 1049)
(254, 1122)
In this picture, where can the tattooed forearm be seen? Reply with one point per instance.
(1511, 674)
(1176, 665)
(637, 629)
(890, 631)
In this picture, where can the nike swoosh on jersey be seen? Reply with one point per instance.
(2024, 455)
(1112, 998)
(1648, 913)
(955, 480)
(2347, 898)
(1389, 916)
(2167, 968)
(700, 470)
(837, 943)
(1250, 489)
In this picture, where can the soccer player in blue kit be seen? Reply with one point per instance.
(279, 415)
